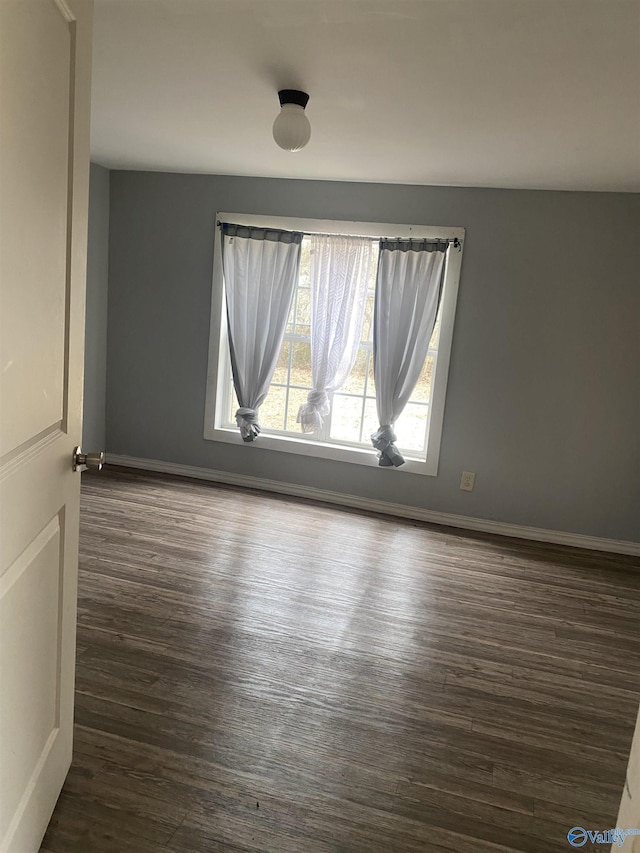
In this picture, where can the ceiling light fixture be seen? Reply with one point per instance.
(291, 129)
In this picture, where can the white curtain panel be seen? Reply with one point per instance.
(408, 287)
(260, 268)
(340, 268)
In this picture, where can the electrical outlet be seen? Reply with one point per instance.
(467, 481)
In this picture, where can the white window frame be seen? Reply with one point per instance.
(218, 373)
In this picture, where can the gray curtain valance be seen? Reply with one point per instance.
(414, 245)
(250, 232)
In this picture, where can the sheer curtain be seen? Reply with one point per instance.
(408, 288)
(260, 273)
(340, 269)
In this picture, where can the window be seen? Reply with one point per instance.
(352, 419)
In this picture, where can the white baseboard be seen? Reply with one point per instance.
(518, 531)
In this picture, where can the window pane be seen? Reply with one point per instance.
(373, 269)
(433, 343)
(301, 364)
(297, 396)
(371, 384)
(422, 391)
(305, 262)
(233, 406)
(371, 423)
(271, 414)
(303, 329)
(345, 418)
(355, 380)
(411, 427)
(292, 315)
(367, 326)
(282, 367)
(303, 317)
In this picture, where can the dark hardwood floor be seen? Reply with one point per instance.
(258, 673)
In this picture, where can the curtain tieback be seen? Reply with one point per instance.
(383, 440)
(247, 420)
(310, 413)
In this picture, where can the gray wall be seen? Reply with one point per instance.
(543, 396)
(95, 352)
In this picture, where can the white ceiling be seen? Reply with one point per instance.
(499, 93)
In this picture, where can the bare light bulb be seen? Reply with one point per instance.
(291, 129)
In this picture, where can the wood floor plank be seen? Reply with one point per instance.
(479, 820)
(289, 772)
(576, 796)
(259, 674)
(317, 823)
(575, 701)
(85, 823)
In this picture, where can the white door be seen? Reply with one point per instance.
(629, 814)
(45, 58)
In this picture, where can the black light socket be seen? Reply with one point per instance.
(293, 96)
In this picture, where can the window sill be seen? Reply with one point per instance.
(319, 450)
